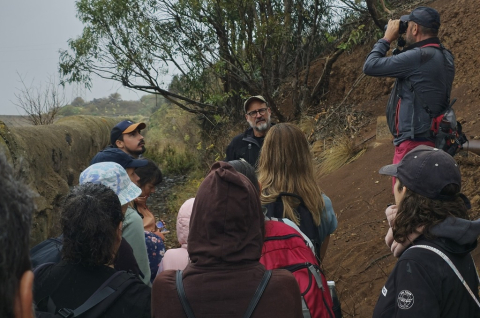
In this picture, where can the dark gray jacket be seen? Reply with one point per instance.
(430, 70)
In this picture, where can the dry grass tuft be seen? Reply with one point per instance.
(343, 152)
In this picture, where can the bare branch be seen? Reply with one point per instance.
(40, 104)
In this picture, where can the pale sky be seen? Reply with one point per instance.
(31, 34)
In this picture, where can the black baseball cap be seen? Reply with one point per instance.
(118, 156)
(124, 127)
(426, 171)
(425, 16)
(251, 99)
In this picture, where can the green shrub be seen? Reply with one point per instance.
(172, 160)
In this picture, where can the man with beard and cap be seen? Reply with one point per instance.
(126, 137)
(225, 244)
(248, 144)
(424, 73)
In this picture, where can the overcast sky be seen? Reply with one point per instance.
(31, 34)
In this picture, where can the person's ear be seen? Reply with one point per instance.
(119, 143)
(23, 306)
(415, 29)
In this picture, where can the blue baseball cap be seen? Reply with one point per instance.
(124, 127)
(118, 156)
(115, 177)
(425, 16)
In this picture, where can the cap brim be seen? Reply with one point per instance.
(134, 127)
(251, 99)
(135, 163)
(405, 18)
(129, 194)
(389, 170)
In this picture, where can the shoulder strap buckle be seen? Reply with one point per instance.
(65, 313)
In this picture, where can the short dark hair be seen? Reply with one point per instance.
(91, 215)
(416, 210)
(149, 174)
(16, 209)
(247, 170)
(428, 31)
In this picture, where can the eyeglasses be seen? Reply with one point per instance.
(260, 111)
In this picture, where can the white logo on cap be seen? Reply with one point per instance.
(405, 299)
(384, 291)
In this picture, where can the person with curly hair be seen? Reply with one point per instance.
(436, 276)
(91, 221)
(16, 277)
(289, 189)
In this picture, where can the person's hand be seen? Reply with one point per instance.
(391, 34)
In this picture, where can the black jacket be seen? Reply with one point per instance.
(69, 285)
(422, 284)
(245, 146)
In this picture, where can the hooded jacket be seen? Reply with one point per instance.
(422, 284)
(225, 244)
(177, 258)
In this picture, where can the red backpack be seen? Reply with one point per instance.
(285, 248)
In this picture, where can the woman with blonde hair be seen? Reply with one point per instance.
(289, 189)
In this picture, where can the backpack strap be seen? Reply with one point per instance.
(109, 287)
(44, 265)
(288, 194)
(258, 294)
(450, 263)
(251, 306)
(183, 297)
(315, 241)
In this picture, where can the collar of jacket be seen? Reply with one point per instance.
(433, 40)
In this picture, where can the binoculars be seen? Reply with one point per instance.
(402, 28)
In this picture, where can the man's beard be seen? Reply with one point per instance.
(136, 153)
(262, 127)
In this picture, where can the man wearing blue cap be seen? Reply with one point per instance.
(126, 137)
(424, 72)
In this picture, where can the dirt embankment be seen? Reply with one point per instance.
(50, 159)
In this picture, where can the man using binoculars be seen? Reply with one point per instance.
(424, 72)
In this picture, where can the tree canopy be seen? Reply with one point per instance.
(221, 50)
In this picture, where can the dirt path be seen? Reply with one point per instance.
(357, 257)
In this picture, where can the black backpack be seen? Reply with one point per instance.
(95, 305)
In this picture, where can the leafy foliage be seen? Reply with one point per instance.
(221, 50)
